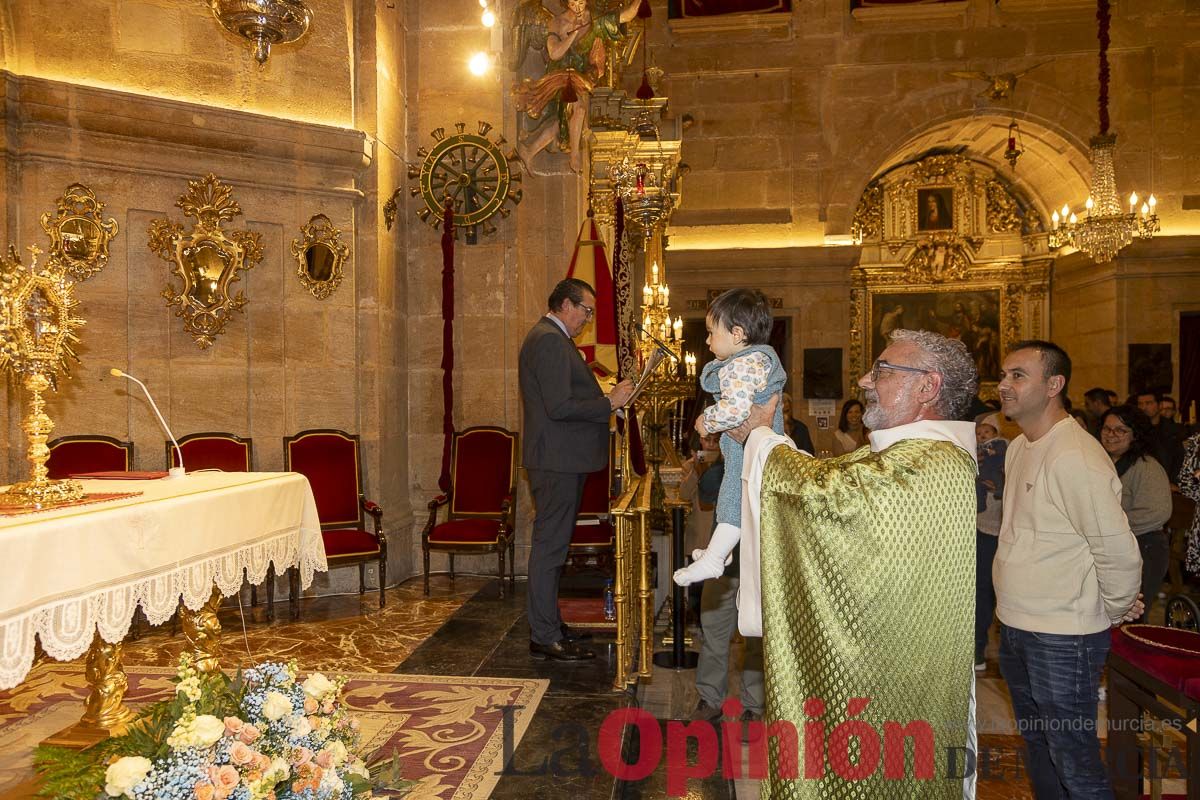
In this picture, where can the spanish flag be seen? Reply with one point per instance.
(589, 262)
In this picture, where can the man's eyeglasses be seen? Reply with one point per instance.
(880, 364)
(589, 311)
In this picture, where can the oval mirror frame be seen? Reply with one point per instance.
(320, 256)
(79, 236)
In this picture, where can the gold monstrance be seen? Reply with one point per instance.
(37, 330)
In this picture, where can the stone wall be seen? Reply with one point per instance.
(161, 95)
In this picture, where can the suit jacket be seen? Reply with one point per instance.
(565, 412)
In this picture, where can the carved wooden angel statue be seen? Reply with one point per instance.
(574, 43)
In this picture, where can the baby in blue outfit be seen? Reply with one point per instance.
(747, 371)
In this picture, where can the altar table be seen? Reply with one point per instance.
(74, 574)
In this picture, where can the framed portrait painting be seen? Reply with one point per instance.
(935, 209)
(971, 315)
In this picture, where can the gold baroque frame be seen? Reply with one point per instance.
(206, 259)
(1021, 291)
(320, 256)
(79, 237)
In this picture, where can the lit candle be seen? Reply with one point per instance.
(1054, 219)
(678, 326)
(1066, 212)
(654, 272)
(666, 294)
(1132, 201)
(1152, 202)
(1145, 209)
(647, 295)
(1089, 204)
(1073, 219)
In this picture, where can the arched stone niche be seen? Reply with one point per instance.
(948, 244)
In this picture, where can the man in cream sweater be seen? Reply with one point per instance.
(1066, 570)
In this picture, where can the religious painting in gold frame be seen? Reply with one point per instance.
(79, 235)
(207, 259)
(320, 256)
(970, 314)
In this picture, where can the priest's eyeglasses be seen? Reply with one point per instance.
(880, 364)
(589, 311)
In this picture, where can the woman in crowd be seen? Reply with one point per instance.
(1145, 491)
(989, 498)
(850, 434)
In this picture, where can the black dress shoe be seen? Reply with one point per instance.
(561, 650)
(571, 635)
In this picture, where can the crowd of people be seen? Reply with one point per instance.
(853, 577)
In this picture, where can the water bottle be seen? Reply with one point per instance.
(610, 601)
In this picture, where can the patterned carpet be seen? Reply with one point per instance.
(447, 730)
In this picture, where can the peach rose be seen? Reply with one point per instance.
(301, 756)
(241, 754)
(324, 759)
(224, 779)
(327, 707)
(249, 733)
(310, 705)
(262, 761)
(233, 726)
(204, 791)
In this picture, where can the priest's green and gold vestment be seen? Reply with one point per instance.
(868, 589)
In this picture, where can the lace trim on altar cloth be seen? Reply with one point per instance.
(66, 628)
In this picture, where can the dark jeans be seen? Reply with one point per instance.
(1156, 552)
(985, 595)
(1053, 680)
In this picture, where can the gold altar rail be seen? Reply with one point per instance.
(633, 588)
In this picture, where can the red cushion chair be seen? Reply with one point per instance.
(481, 504)
(75, 455)
(210, 450)
(594, 536)
(330, 460)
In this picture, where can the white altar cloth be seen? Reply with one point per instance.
(67, 573)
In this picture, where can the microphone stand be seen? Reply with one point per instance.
(172, 472)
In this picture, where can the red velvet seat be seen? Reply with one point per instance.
(331, 462)
(1152, 671)
(594, 536)
(480, 505)
(75, 455)
(211, 450)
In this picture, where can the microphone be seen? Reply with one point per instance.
(173, 472)
(666, 350)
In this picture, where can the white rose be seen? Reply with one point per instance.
(317, 686)
(331, 782)
(276, 705)
(301, 727)
(206, 730)
(124, 774)
(278, 771)
(357, 767)
(337, 751)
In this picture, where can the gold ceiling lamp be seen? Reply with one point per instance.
(263, 22)
(1106, 228)
(37, 334)
(1016, 147)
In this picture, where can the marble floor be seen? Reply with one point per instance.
(467, 630)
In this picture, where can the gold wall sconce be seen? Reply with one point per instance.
(79, 237)
(320, 256)
(207, 259)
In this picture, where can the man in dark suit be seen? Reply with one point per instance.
(565, 436)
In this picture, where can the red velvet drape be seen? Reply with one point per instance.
(447, 341)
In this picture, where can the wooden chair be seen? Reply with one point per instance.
(212, 450)
(75, 455)
(330, 460)
(481, 502)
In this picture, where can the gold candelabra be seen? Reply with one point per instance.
(37, 331)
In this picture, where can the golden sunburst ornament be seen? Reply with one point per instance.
(37, 337)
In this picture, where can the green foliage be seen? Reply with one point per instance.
(386, 777)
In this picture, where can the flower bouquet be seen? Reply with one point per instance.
(261, 735)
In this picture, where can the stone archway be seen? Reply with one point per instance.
(1053, 169)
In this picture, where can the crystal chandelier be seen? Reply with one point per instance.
(656, 321)
(1105, 228)
(263, 22)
